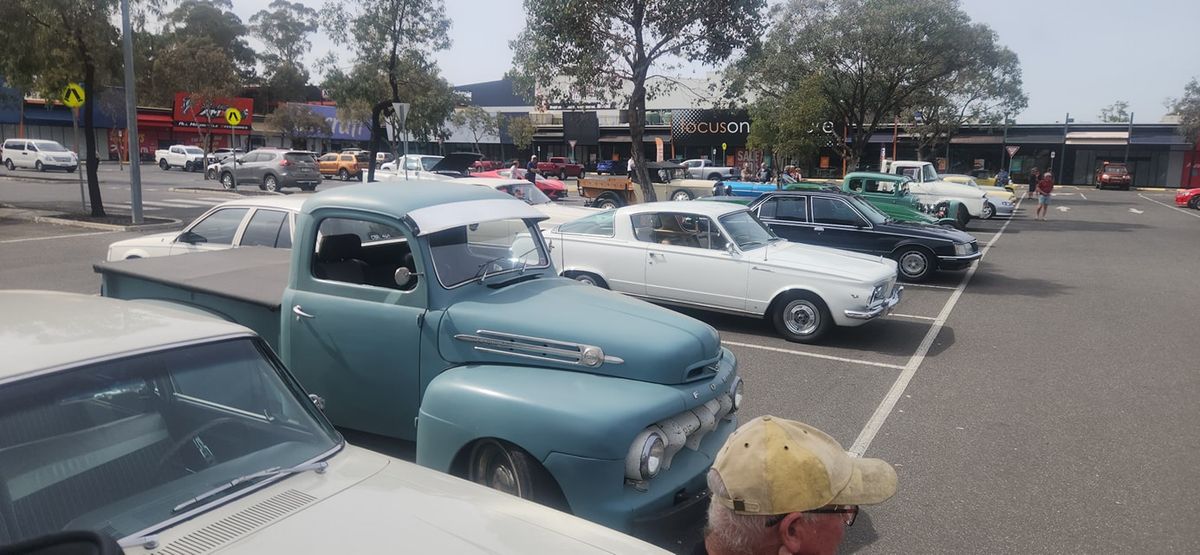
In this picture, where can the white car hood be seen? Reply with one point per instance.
(560, 214)
(117, 249)
(384, 505)
(811, 258)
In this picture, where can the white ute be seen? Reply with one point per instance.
(931, 189)
(187, 157)
(173, 431)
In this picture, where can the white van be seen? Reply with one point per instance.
(38, 154)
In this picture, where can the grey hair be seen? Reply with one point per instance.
(733, 533)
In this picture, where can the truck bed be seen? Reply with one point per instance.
(244, 285)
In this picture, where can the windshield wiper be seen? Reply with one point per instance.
(319, 466)
(483, 268)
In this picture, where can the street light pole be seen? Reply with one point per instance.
(1004, 146)
(135, 171)
(1062, 155)
(1128, 137)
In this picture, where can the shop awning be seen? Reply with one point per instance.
(1102, 138)
(629, 139)
(154, 120)
(1034, 139)
(978, 140)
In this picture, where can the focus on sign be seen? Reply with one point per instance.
(72, 95)
(233, 116)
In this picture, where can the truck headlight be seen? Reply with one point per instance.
(646, 455)
(735, 394)
(962, 249)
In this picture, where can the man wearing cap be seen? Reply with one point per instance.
(780, 486)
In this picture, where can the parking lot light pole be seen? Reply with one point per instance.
(1128, 138)
(135, 171)
(1062, 155)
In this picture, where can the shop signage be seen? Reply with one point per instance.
(194, 111)
(709, 127)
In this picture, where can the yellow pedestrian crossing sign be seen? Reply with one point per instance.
(233, 116)
(72, 95)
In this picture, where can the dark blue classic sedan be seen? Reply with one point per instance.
(611, 167)
(846, 221)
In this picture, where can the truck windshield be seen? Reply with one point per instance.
(482, 250)
(930, 174)
(118, 446)
(193, 150)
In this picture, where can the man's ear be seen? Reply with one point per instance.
(793, 534)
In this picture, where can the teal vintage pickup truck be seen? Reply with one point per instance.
(432, 312)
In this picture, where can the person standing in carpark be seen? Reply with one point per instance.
(780, 486)
(1033, 181)
(531, 169)
(1044, 188)
(1002, 178)
(629, 167)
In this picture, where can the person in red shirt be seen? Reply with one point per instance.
(1044, 188)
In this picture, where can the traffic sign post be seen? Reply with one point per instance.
(233, 116)
(72, 95)
(724, 153)
(1012, 151)
(79, 161)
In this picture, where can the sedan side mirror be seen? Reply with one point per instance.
(191, 238)
(732, 250)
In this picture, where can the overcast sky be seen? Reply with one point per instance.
(1076, 55)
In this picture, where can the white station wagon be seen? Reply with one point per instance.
(717, 256)
(252, 222)
(176, 432)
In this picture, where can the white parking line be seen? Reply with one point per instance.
(814, 355)
(1083, 196)
(1195, 215)
(943, 286)
(195, 202)
(126, 206)
(167, 204)
(912, 316)
(216, 200)
(867, 435)
(27, 239)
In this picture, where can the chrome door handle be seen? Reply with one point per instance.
(299, 312)
(818, 229)
(762, 269)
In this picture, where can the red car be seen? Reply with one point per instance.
(1188, 197)
(1114, 174)
(552, 188)
(560, 166)
(486, 165)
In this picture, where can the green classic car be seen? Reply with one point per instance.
(889, 193)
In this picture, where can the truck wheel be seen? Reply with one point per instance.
(270, 183)
(505, 467)
(163, 165)
(562, 175)
(714, 177)
(227, 181)
(10, 165)
(800, 316)
(989, 211)
(343, 174)
(587, 278)
(682, 194)
(607, 201)
(187, 166)
(915, 264)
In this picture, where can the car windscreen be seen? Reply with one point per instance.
(50, 146)
(873, 214)
(745, 230)
(193, 150)
(300, 157)
(477, 251)
(121, 445)
(1115, 170)
(526, 192)
(428, 162)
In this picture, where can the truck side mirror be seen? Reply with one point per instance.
(317, 401)
(404, 276)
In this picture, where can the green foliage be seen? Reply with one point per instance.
(296, 121)
(393, 41)
(284, 30)
(202, 49)
(790, 127)
(1117, 112)
(521, 129)
(606, 50)
(477, 121)
(1188, 109)
(215, 21)
(874, 58)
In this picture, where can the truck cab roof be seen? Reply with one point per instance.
(431, 205)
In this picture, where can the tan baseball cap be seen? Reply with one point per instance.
(774, 466)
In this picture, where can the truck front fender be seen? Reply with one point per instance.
(541, 410)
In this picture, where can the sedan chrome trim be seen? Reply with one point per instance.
(972, 256)
(539, 348)
(883, 308)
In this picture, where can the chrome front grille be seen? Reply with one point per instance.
(688, 428)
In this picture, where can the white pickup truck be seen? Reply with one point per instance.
(703, 168)
(928, 186)
(188, 157)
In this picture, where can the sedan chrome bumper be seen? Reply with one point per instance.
(880, 310)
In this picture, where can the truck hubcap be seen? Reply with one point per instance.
(492, 467)
(801, 317)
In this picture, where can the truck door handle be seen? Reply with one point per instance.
(301, 313)
(818, 229)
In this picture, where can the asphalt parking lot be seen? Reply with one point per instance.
(1043, 402)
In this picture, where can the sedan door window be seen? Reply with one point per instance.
(832, 211)
(263, 229)
(217, 229)
(788, 209)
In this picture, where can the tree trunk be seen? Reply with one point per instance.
(89, 128)
(637, 130)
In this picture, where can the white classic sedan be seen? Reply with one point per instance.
(716, 256)
(555, 213)
(255, 221)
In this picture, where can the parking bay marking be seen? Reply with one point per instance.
(943, 286)
(27, 239)
(814, 355)
(914, 316)
(867, 435)
(1197, 215)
